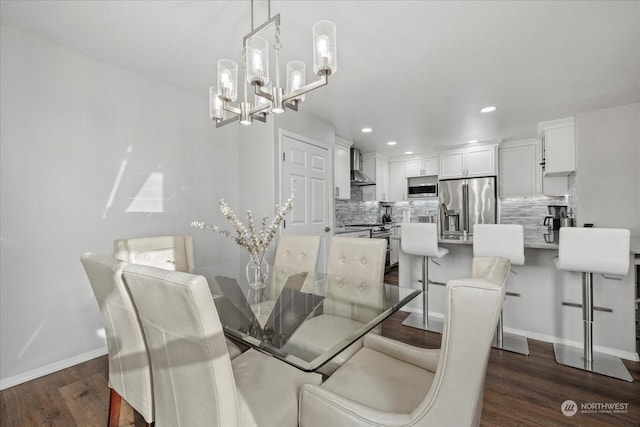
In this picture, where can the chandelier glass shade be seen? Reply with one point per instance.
(269, 96)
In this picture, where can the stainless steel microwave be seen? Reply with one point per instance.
(421, 187)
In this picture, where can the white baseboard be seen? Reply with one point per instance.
(627, 355)
(53, 367)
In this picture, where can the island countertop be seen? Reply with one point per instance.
(534, 238)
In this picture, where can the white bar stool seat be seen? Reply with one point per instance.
(503, 240)
(588, 251)
(422, 239)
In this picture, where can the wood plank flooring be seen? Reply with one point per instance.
(519, 390)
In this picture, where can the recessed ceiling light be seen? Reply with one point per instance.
(391, 143)
(366, 130)
(489, 109)
(471, 141)
(408, 152)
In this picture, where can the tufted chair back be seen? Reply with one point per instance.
(355, 260)
(298, 252)
(166, 252)
(129, 372)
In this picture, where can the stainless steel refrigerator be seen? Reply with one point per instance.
(465, 202)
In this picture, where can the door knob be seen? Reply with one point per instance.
(327, 229)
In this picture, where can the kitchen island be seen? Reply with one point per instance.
(542, 302)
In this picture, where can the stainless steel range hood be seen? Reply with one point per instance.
(357, 177)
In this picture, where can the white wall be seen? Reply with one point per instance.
(608, 175)
(79, 140)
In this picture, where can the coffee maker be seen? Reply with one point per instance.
(386, 216)
(554, 219)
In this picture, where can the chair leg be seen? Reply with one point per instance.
(115, 403)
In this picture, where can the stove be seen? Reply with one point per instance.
(375, 228)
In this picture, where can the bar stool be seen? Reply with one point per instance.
(422, 239)
(588, 251)
(503, 240)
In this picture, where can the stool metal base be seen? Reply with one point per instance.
(602, 364)
(513, 343)
(414, 320)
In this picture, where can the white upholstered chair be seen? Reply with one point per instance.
(195, 382)
(129, 372)
(422, 239)
(389, 383)
(174, 253)
(353, 260)
(297, 252)
(593, 250)
(503, 240)
(166, 252)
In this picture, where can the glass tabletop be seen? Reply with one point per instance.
(305, 319)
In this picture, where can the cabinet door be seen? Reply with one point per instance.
(413, 168)
(397, 181)
(382, 180)
(342, 173)
(559, 145)
(430, 165)
(480, 161)
(452, 164)
(520, 169)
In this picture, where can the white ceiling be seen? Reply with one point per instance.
(417, 72)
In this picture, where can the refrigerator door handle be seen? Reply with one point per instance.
(465, 204)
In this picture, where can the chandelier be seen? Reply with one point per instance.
(269, 96)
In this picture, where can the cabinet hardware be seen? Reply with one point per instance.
(595, 307)
(513, 294)
(611, 277)
(337, 191)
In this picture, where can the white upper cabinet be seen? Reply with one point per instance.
(421, 167)
(342, 168)
(559, 147)
(397, 181)
(376, 167)
(520, 170)
(468, 162)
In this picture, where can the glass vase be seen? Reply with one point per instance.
(257, 271)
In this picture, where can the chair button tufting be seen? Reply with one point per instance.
(303, 255)
(288, 253)
(363, 261)
(362, 286)
(343, 259)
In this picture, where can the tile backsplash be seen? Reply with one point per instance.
(528, 211)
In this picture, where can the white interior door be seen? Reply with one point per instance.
(306, 164)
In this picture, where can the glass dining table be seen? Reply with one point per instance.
(304, 319)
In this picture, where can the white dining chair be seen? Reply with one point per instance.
(195, 382)
(360, 263)
(297, 252)
(173, 252)
(129, 371)
(389, 383)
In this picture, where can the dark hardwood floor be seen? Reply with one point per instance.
(519, 390)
